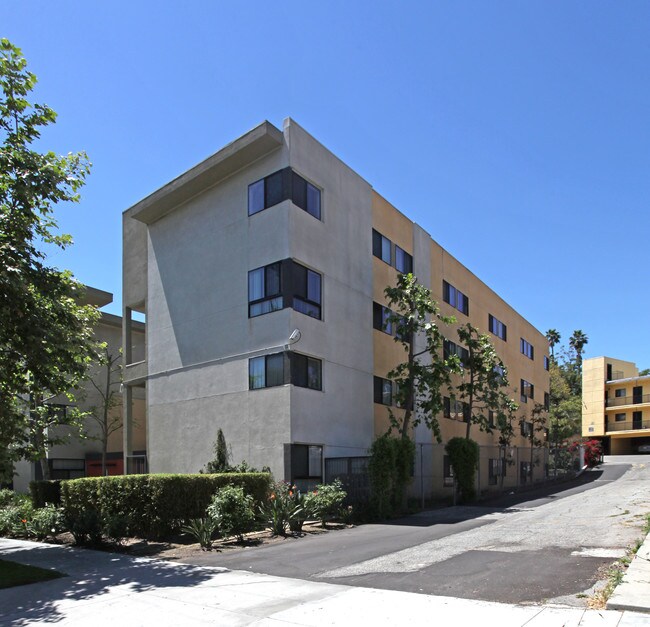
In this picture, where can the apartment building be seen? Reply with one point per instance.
(616, 405)
(261, 273)
(82, 457)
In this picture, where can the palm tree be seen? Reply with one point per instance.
(553, 337)
(577, 343)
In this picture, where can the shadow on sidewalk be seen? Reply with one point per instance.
(89, 575)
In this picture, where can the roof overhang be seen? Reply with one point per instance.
(262, 140)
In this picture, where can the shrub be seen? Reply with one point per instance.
(46, 521)
(389, 468)
(7, 497)
(116, 527)
(325, 501)
(463, 457)
(44, 492)
(155, 505)
(593, 451)
(202, 530)
(85, 526)
(232, 511)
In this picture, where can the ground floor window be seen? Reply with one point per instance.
(525, 472)
(306, 465)
(447, 472)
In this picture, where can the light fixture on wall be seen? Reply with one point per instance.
(293, 338)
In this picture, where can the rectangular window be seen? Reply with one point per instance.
(269, 371)
(497, 327)
(455, 409)
(547, 401)
(306, 372)
(619, 417)
(307, 291)
(526, 429)
(284, 185)
(546, 362)
(491, 419)
(451, 348)
(306, 465)
(619, 393)
(527, 391)
(381, 247)
(455, 298)
(403, 261)
(264, 290)
(381, 318)
(526, 348)
(383, 392)
(494, 470)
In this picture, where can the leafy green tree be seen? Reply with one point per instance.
(534, 428)
(484, 380)
(504, 425)
(220, 461)
(46, 334)
(105, 381)
(553, 337)
(424, 373)
(577, 342)
(645, 372)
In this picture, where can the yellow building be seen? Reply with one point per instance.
(616, 405)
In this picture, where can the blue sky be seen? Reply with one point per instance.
(516, 133)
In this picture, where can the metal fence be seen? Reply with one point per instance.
(500, 469)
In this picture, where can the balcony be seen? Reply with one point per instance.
(628, 425)
(636, 399)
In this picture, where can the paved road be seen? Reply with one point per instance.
(547, 547)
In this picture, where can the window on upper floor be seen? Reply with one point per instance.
(455, 409)
(383, 391)
(451, 348)
(547, 401)
(546, 362)
(284, 284)
(276, 369)
(526, 348)
(455, 298)
(284, 185)
(403, 261)
(619, 393)
(497, 327)
(381, 318)
(527, 391)
(265, 290)
(382, 247)
(619, 417)
(526, 429)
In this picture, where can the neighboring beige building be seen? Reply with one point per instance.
(261, 273)
(82, 457)
(616, 405)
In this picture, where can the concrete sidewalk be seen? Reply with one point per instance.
(634, 592)
(108, 589)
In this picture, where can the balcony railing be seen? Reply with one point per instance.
(628, 400)
(617, 374)
(628, 425)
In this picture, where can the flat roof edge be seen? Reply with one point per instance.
(258, 142)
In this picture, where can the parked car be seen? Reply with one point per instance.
(644, 448)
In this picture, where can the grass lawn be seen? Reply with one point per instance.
(13, 574)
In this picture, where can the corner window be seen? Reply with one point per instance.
(284, 284)
(526, 348)
(497, 327)
(264, 290)
(306, 462)
(527, 391)
(381, 247)
(455, 298)
(284, 185)
(403, 261)
(270, 371)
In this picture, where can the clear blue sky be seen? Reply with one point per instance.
(516, 133)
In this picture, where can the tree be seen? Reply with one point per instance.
(553, 337)
(504, 424)
(220, 461)
(420, 378)
(532, 429)
(46, 334)
(105, 383)
(577, 342)
(484, 379)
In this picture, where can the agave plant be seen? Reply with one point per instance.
(202, 530)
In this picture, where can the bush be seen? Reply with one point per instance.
(389, 468)
(463, 457)
(286, 507)
(202, 530)
(44, 492)
(155, 506)
(325, 501)
(15, 516)
(116, 527)
(85, 526)
(7, 497)
(45, 522)
(593, 451)
(232, 511)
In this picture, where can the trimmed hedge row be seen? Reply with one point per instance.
(44, 492)
(154, 505)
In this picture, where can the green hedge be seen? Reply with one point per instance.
(155, 505)
(44, 492)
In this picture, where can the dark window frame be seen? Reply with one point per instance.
(454, 297)
(527, 390)
(405, 265)
(526, 348)
(291, 373)
(379, 242)
(497, 328)
(285, 184)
